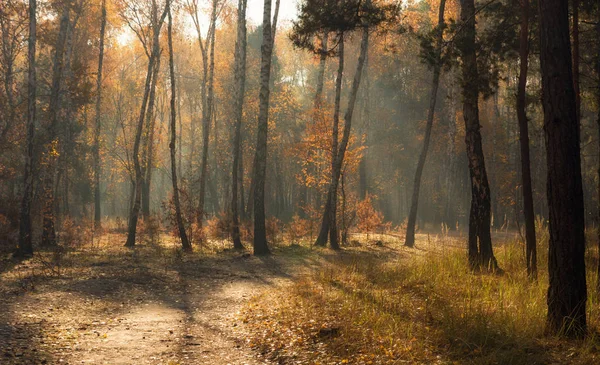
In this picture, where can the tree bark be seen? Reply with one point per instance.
(240, 88)
(25, 247)
(208, 60)
(530, 240)
(137, 194)
(341, 151)
(52, 146)
(98, 126)
(481, 255)
(567, 292)
(333, 232)
(185, 243)
(598, 122)
(437, 67)
(260, 157)
(148, 155)
(576, 58)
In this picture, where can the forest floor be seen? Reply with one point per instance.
(150, 305)
(302, 305)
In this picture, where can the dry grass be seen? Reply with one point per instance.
(394, 305)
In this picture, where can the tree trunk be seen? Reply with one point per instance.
(185, 243)
(576, 58)
(341, 151)
(437, 67)
(208, 60)
(330, 211)
(25, 248)
(240, 81)
(260, 157)
(480, 240)
(149, 140)
(98, 126)
(567, 293)
(135, 208)
(598, 121)
(530, 240)
(53, 141)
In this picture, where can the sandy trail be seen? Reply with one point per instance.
(136, 308)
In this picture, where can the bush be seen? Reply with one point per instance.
(219, 227)
(297, 229)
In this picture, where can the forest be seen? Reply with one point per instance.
(300, 181)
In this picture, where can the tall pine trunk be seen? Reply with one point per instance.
(25, 247)
(240, 81)
(530, 240)
(437, 67)
(185, 243)
(98, 126)
(480, 239)
(567, 292)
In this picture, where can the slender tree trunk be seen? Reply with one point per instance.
(98, 126)
(437, 67)
(149, 140)
(25, 248)
(341, 151)
(531, 252)
(137, 194)
(208, 62)
(53, 144)
(567, 293)
(182, 234)
(480, 240)
(260, 157)
(329, 214)
(240, 80)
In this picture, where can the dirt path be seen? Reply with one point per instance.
(136, 307)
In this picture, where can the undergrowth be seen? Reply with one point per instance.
(367, 308)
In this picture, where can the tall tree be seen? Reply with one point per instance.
(260, 157)
(238, 108)
(52, 146)
(25, 247)
(185, 243)
(480, 240)
(437, 68)
(530, 240)
(567, 292)
(137, 184)
(333, 233)
(98, 126)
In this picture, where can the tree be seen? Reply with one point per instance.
(260, 157)
(480, 240)
(185, 243)
(437, 68)
(567, 292)
(137, 184)
(598, 123)
(25, 247)
(98, 126)
(240, 88)
(530, 240)
(53, 141)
